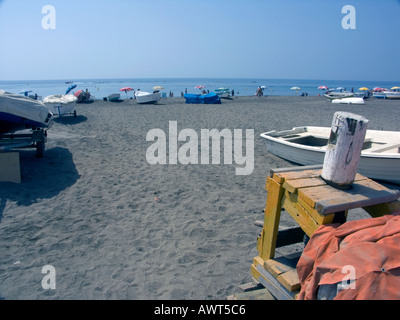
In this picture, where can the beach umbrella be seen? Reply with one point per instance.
(70, 88)
(394, 88)
(363, 89)
(379, 89)
(126, 89)
(199, 87)
(322, 87)
(295, 88)
(158, 88)
(340, 88)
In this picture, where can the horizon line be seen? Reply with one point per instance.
(242, 78)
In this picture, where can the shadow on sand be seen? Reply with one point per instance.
(42, 178)
(70, 119)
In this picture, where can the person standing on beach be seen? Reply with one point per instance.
(233, 93)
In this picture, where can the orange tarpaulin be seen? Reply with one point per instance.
(363, 255)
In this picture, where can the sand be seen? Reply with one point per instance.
(115, 227)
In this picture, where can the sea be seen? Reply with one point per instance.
(100, 88)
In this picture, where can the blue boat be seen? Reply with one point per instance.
(209, 98)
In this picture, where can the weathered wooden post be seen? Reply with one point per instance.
(344, 149)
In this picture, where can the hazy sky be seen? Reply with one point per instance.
(299, 39)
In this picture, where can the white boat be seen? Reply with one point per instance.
(380, 156)
(18, 112)
(147, 97)
(379, 94)
(338, 94)
(352, 100)
(393, 94)
(61, 103)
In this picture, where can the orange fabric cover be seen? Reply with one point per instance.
(371, 246)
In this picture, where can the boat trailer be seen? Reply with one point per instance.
(36, 139)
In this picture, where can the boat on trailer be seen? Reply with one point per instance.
(61, 104)
(380, 155)
(20, 113)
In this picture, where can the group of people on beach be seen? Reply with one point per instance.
(259, 92)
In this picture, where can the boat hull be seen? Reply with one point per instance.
(60, 104)
(19, 113)
(114, 97)
(338, 95)
(379, 165)
(147, 98)
(393, 95)
(60, 109)
(352, 100)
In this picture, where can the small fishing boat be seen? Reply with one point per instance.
(143, 97)
(113, 97)
(380, 156)
(18, 112)
(338, 93)
(394, 93)
(61, 103)
(223, 92)
(352, 100)
(379, 93)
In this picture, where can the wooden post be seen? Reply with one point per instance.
(344, 149)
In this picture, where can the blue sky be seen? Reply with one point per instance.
(205, 38)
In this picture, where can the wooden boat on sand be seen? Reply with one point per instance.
(143, 97)
(380, 156)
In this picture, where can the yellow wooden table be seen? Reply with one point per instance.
(311, 202)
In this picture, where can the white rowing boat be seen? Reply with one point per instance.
(380, 156)
(147, 97)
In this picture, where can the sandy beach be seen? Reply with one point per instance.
(116, 227)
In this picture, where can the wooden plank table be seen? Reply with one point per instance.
(311, 202)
